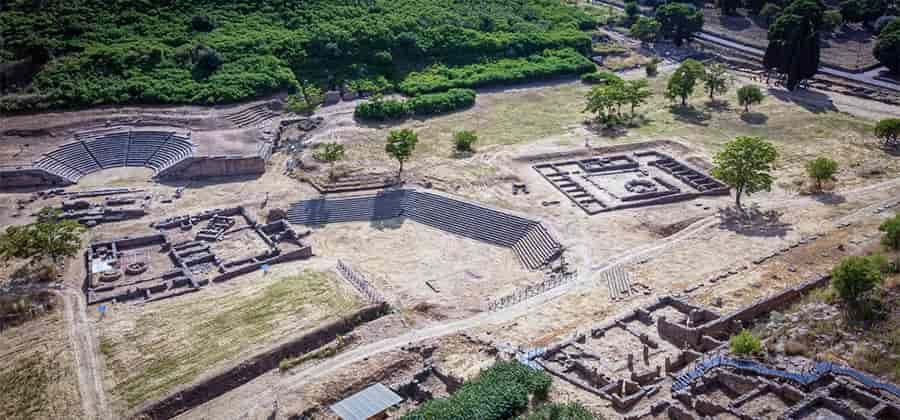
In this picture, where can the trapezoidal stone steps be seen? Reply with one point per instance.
(252, 116)
(528, 239)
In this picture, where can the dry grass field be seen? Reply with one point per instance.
(152, 349)
(37, 376)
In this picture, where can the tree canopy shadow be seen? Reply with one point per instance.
(754, 118)
(689, 114)
(718, 105)
(753, 222)
(829, 197)
(812, 101)
(737, 22)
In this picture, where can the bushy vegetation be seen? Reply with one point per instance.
(499, 392)
(891, 229)
(438, 103)
(854, 280)
(380, 109)
(47, 238)
(545, 65)
(463, 141)
(745, 343)
(179, 51)
(821, 169)
(888, 133)
(601, 78)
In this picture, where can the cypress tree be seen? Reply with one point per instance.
(794, 42)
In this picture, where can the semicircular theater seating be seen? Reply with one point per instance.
(157, 150)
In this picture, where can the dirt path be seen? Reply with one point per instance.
(81, 337)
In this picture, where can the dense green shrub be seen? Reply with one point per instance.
(745, 343)
(500, 392)
(117, 51)
(437, 103)
(463, 141)
(601, 78)
(379, 109)
(548, 64)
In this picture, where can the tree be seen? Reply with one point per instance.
(306, 100)
(745, 164)
(202, 23)
(729, 7)
(888, 132)
(681, 84)
(716, 80)
(854, 277)
(48, 237)
(891, 229)
(745, 343)
(793, 48)
(646, 29)
(206, 61)
(749, 95)
(632, 10)
(769, 12)
(463, 140)
(635, 93)
(832, 20)
(821, 169)
(679, 21)
(606, 101)
(400, 145)
(652, 67)
(851, 11)
(887, 48)
(331, 153)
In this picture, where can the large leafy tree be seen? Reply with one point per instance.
(645, 29)
(683, 80)
(679, 21)
(887, 49)
(793, 48)
(636, 93)
(48, 237)
(400, 145)
(746, 164)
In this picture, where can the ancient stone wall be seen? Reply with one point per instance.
(215, 166)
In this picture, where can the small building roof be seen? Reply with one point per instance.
(366, 403)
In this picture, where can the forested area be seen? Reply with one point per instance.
(90, 52)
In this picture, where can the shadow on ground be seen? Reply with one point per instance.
(689, 114)
(754, 118)
(753, 222)
(829, 198)
(814, 102)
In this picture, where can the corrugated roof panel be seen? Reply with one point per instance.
(366, 403)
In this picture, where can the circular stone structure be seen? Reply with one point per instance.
(136, 268)
(641, 186)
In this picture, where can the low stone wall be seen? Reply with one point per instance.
(29, 177)
(246, 370)
(215, 166)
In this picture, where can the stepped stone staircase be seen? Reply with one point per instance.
(530, 240)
